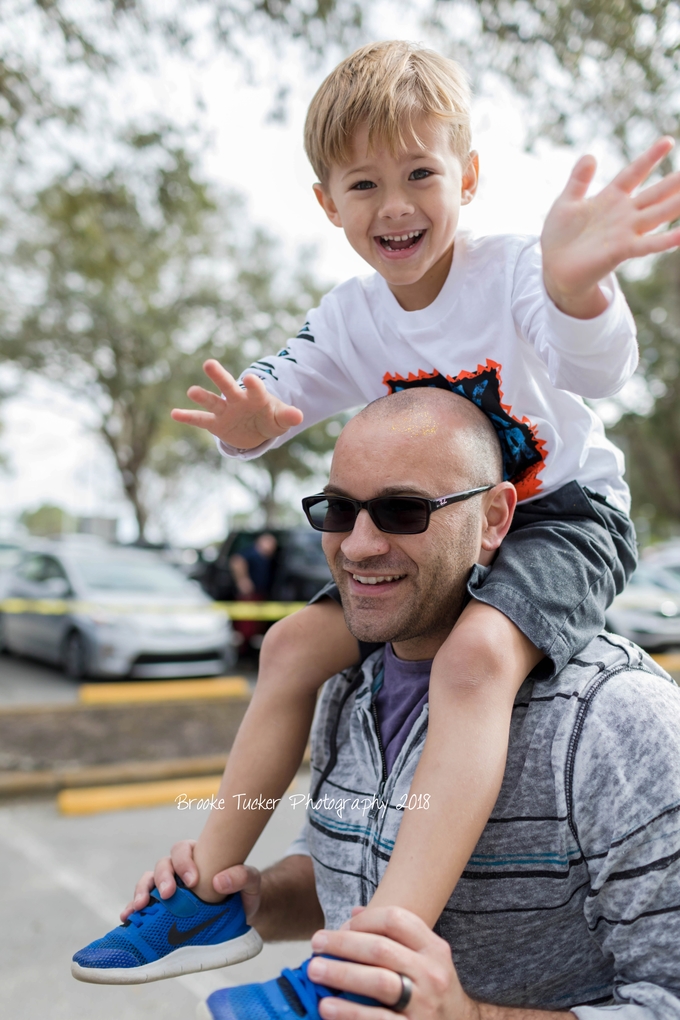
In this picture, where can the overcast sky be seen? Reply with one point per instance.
(52, 457)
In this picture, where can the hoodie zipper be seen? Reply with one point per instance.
(373, 814)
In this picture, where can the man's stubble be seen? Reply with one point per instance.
(436, 596)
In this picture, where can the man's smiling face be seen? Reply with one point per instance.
(408, 589)
(400, 212)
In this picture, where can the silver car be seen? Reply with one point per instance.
(648, 610)
(108, 611)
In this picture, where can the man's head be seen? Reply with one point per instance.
(266, 544)
(388, 134)
(425, 442)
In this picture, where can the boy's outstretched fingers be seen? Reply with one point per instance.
(244, 416)
(633, 175)
(581, 178)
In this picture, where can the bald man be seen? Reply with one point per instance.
(571, 900)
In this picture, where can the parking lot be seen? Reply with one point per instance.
(23, 682)
(64, 881)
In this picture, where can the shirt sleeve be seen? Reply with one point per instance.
(299, 845)
(625, 806)
(590, 357)
(310, 373)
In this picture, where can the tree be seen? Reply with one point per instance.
(614, 62)
(43, 40)
(131, 280)
(48, 520)
(652, 438)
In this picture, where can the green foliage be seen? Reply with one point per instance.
(137, 277)
(48, 520)
(615, 61)
(103, 35)
(652, 440)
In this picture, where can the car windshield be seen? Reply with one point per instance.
(657, 577)
(9, 555)
(125, 572)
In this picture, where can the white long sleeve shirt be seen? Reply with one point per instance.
(492, 334)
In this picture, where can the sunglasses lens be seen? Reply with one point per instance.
(400, 516)
(334, 514)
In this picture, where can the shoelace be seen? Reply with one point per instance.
(137, 918)
(307, 991)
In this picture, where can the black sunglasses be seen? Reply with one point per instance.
(396, 515)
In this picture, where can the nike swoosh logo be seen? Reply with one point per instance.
(178, 938)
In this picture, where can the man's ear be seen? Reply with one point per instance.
(327, 204)
(468, 187)
(499, 508)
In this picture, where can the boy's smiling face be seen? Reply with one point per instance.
(400, 213)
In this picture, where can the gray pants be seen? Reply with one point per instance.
(564, 559)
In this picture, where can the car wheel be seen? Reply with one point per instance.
(74, 656)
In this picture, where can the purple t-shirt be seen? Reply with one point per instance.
(399, 701)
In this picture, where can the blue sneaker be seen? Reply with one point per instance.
(291, 996)
(179, 935)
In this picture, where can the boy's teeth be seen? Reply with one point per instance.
(400, 237)
(376, 580)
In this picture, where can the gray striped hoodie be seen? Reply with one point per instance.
(572, 895)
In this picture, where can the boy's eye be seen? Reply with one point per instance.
(363, 186)
(420, 174)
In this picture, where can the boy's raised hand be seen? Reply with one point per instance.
(246, 417)
(584, 239)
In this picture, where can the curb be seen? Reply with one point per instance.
(18, 784)
(145, 691)
(95, 799)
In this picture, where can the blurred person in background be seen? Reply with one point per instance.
(253, 573)
(253, 569)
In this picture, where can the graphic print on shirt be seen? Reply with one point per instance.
(267, 368)
(524, 454)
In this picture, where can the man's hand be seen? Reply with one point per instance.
(383, 943)
(241, 878)
(245, 418)
(584, 239)
(386, 942)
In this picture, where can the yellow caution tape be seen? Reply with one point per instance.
(260, 610)
(169, 690)
(267, 611)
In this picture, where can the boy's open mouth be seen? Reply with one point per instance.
(400, 242)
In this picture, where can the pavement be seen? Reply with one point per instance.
(23, 682)
(65, 880)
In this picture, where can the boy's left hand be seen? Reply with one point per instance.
(585, 239)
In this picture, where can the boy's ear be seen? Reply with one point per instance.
(470, 179)
(327, 204)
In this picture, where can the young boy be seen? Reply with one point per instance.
(520, 330)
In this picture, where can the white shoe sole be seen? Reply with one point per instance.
(203, 1013)
(186, 960)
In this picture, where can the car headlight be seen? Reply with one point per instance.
(100, 619)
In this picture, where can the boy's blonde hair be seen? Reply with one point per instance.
(390, 87)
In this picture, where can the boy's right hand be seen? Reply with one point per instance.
(241, 878)
(246, 417)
